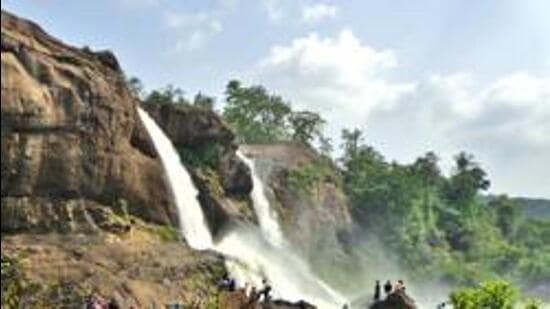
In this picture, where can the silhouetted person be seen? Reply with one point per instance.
(227, 283)
(400, 286)
(253, 297)
(266, 291)
(377, 291)
(232, 286)
(388, 287)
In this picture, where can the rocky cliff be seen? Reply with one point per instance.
(207, 147)
(72, 145)
(85, 208)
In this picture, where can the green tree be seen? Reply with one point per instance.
(135, 86)
(468, 179)
(427, 169)
(204, 101)
(257, 116)
(508, 215)
(306, 126)
(166, 95)
(351, 141)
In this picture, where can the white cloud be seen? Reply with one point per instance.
(192, 30)
(318, 12)
(505, 123)
(331, 74)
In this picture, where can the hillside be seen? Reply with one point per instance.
(535, 208)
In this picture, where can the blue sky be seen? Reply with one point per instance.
(421, 75)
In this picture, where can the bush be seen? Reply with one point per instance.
(490, 295)
(12, 284)
(205, 156)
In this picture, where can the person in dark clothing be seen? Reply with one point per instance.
(377, 291)
(266, 291)
(227, 283)
(388, 287)
(232, 285)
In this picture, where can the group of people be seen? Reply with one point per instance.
(252, 293)
(255, 295)
(389, 288)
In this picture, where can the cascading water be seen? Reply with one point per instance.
(192, 221)
(253, 258)
(269, 223)
(252, 253)
(268, 254)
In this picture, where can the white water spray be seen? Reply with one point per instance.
(192, 221)
(252, 258)
(269, 223)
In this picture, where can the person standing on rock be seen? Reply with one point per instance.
(266, 291)
(388, 287)
(400, 286)
(377, 291)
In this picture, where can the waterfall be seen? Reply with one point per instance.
(269, 223)
(252, 253)
(190, 215)
(268, 254)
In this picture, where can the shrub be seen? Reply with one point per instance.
(489, 295)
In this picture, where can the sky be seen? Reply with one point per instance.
(416, 76)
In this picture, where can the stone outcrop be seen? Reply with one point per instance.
(70, 134)
(396, 300)
(239, 300)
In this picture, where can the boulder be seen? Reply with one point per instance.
(396, 300)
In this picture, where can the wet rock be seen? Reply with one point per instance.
(236, 176)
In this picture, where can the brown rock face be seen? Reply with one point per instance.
(208, 149)
(70, 131)
(203, 130)
(311, 218)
